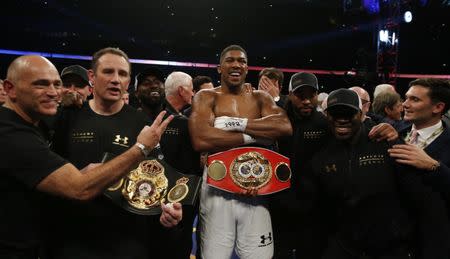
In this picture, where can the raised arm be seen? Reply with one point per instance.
(273, 123)
(201, 126)
(67, 181)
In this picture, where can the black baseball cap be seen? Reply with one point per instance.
(78, 71)
(302, 79)
(344, 97)
(150, 71)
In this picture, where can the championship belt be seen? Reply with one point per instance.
(153, 182)
(245, 168)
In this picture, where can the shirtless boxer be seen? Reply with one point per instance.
(227, 117)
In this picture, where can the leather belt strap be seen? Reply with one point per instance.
(244, 168)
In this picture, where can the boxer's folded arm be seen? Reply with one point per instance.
(271, 127)
(274, 122)
(201, 126)
(210, 139)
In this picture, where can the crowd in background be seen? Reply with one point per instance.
(370, 171)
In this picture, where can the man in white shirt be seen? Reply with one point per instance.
(427, 141)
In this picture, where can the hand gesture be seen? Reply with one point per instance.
(172, 213)
(150, 136)
(269, 86)
(71, 98)
(412, 155)
(252, 192)
(383, 131)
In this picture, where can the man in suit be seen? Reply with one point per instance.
(428, 139)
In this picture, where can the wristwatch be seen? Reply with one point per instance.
(435, 166)
(276, 98)
(145, 151)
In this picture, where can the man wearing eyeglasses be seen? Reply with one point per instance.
(365, 101)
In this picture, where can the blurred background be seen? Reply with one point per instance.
(345, 42)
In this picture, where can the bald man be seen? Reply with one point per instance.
(365, 101)
(31, 171)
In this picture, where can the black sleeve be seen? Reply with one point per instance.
(177, 147)
(433, 230)
(323, 206)
(60, 126)
(29, 158)
(190, 159)
(439, 180)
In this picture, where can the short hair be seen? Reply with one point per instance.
(439, 90)
(383, 100)
(174, 80)
(230, 48)
(273, 73)
(200, 80)
(382, 88)
(109, 50)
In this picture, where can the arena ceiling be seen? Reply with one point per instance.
(315, 34)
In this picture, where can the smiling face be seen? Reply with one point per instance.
(111, 78)
(33, 88)
(420, 109)
(233, 69)
(344, 122)
(151, 91)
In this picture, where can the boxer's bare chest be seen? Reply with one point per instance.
(245, 105)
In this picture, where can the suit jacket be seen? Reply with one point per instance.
(439, 150)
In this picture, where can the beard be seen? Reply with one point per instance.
(151, 101)
(233, 84)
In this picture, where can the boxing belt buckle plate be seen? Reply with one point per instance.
(153, 182)
(245, 168)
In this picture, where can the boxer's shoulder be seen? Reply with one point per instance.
(205, 96)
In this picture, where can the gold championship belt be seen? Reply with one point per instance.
(246, 168)
(153, 182)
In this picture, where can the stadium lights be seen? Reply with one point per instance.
(407, 16)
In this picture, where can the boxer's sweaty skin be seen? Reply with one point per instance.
(235, 99)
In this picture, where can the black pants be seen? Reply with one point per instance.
(336, 251)
(297, 232)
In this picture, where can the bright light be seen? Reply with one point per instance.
(384, 36)
(387, 37)
(407, 17)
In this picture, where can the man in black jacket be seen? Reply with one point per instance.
(376, 208)
(310, 134)
(154, 97)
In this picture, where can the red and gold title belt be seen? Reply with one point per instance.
(244, 168)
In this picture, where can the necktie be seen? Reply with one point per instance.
(413, 137)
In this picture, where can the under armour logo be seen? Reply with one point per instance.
(331, 168)
(267, 239)
(124, 140)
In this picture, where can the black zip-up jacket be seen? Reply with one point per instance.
(375, 205)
